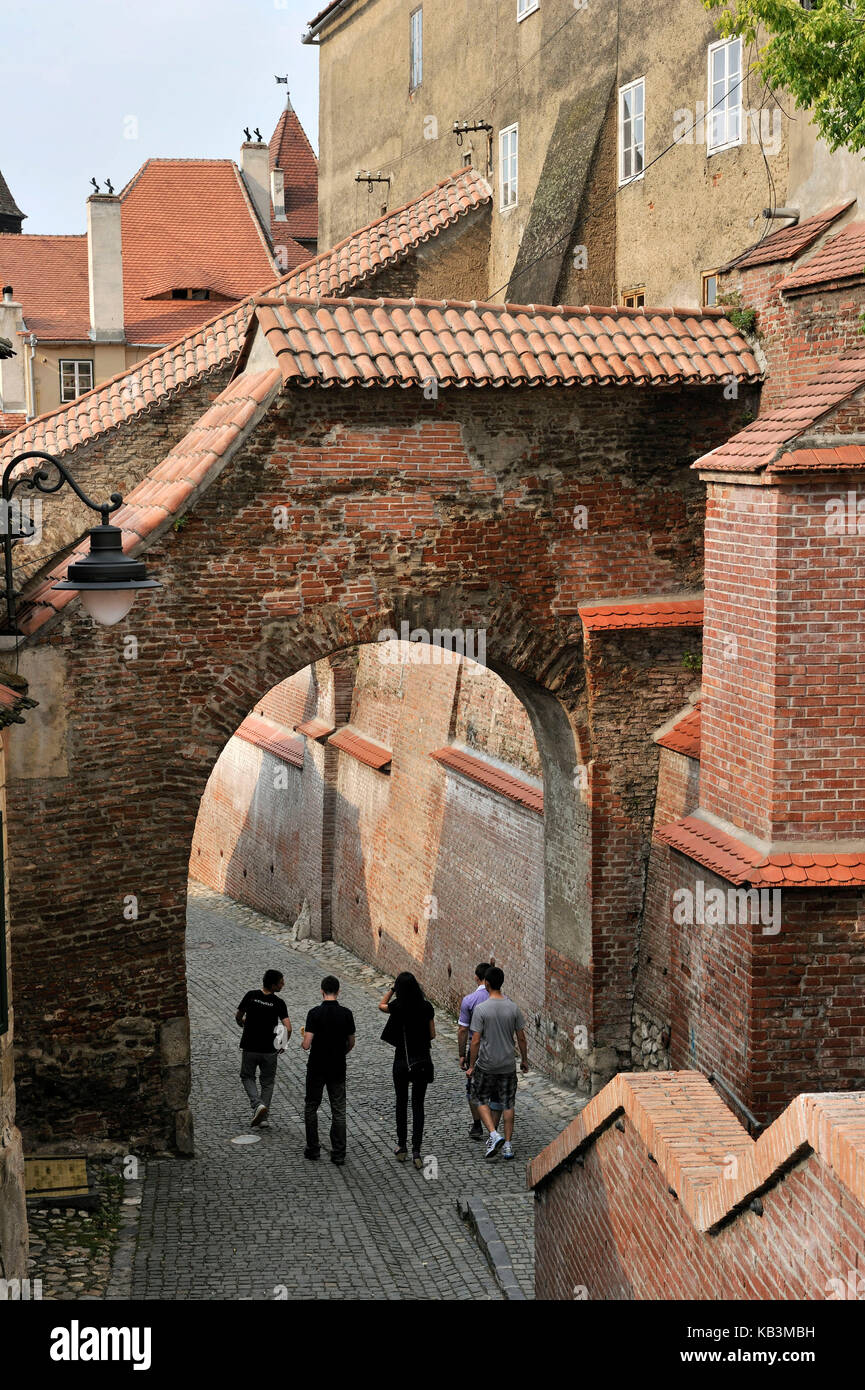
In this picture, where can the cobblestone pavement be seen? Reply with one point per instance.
(70, 1250)
(259, 1221)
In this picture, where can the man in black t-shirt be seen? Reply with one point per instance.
(328, 1038)
(259, 1014)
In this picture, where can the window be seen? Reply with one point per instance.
(724, 106)
(632, 130)
(525, 7)
(710, 289)
(634, 299)
(415, 47)
(190, 294)
(508, 167)
(75, 379)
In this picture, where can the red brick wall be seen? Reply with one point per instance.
(461, 510)
(783, 727)
(612, 1230)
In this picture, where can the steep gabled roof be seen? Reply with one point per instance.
(768, 437)
(789, 242)
(48, 275)
(184, 219)
(8, 205)
(388, 342)
(841, 261)
(218, 342)
(291, 152)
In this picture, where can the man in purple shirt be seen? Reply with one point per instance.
(478, 996)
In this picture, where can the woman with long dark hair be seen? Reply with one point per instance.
(410, 1029)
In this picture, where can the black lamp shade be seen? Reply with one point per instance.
(106, 566)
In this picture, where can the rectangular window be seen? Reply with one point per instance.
(415, 48)
(634, 299)
(632, 130)
(525, 7)
(724, 105)
(508, 167)
(75, 379)
(710, 289)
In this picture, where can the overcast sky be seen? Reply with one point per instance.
(94, 88)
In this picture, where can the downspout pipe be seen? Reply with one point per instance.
(32, 340)
(311, 34)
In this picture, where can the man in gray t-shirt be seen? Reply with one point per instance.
(497, 1024)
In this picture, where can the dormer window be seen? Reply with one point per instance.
(190, 294)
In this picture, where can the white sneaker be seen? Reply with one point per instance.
(507, 1149)
(493, 1144)
(260, 1114)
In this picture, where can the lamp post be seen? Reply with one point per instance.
(107, 579)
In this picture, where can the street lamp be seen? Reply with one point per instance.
(107, 579)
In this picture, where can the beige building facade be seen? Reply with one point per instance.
(631, 151)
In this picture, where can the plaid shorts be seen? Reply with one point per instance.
(488, 1087)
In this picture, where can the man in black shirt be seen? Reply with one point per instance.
(328, 1037)
(259, 1013)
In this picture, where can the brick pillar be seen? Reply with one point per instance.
(343, 671)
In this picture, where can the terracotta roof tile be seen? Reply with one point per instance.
(219, 341)
(604, 617)
(168, 488)
(768, 437)
(840, 261)
(740, 863)
(365, 749)
(315, 728)
(790, 242)
(272, 738)
(48, 275)
(384, 342)
(834, 458)
(690, 1133)
(291, 152)
(479, 770)
(683, 735)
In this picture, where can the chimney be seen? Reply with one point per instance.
(105, 268)
(255, 168)
(277, 194)
(13, 393)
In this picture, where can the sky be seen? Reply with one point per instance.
(93, 89)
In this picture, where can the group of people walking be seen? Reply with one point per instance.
(491, 1031)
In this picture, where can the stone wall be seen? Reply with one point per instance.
(13, 1214)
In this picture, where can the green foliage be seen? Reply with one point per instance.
(740, 315)
(817, 55)
(693, 661)
(182, 521)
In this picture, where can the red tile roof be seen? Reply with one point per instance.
(386, 342)
(272, 738)
(768, 437)
(789, 242)
(820, 458)
(48, 275)
(187, 223)
(11, 420)
(690, 1133)
(366, 750)
(169, 489)
(315, 728)
(390, 237)
(218, 342)
(604, 617)
(840, 262)
(291, 152)
(740, 863)
(492, 777)
(683, 735)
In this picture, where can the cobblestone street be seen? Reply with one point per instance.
(259, 1221)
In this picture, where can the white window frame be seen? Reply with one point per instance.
(639, 82)
(525, 8)
(705, 277)
(76, 363)
(514, 154)
(415, 48)
(730, 106)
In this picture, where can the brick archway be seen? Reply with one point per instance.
(457, 513)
